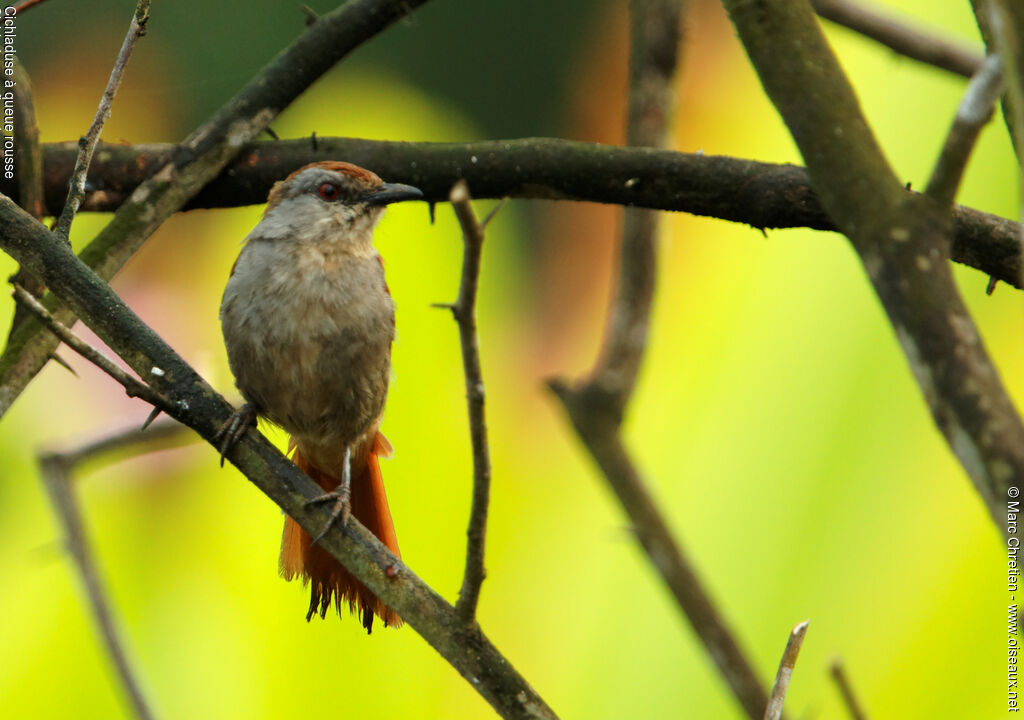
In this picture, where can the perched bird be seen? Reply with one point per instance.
(308, 322)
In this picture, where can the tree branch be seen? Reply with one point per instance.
(588, 413)
(785, 673)
(654, 50)
(901, 37)
(464, 311)
(87, 144)
(902, 240)
(200, 158)
(762, 195)
(973, 114)
(846, 690)
(57, 469)
(28, 168)
(28, 153)
(196, 404)
(596, 406)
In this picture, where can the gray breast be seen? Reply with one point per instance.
(309, 337)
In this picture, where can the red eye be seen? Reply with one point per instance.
(328, 191)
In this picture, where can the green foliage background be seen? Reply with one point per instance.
(776, 419)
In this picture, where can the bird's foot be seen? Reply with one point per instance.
(341, 511)
(234, 428)
(341, 497)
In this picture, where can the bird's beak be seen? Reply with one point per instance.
(391, 193)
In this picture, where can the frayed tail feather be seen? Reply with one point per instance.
(327, 578)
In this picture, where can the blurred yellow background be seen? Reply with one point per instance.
(776, 421)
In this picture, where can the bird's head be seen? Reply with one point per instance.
(333, 199)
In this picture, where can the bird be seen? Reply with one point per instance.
(308, 323)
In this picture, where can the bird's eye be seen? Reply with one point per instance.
(328, 191)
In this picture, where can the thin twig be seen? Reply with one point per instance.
(900, 36)
(57, 470)
(846, 690)
(974, 112)
(596, 407)
(28, 168)
(133, 386)
(200, 407)
(58, 483)
(88, 142)
(464, 311)
(785, 674)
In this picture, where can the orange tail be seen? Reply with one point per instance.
(326, 575)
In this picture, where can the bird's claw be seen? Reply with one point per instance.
(342, 497)
(234, 428)
(340, 512)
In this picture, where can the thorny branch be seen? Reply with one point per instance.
(901, 37)
(194, 403)
(464, 311)
(596, 406)
(87, 144)
(902, 241)
(57, 470)
(200, 157)
(762, 195)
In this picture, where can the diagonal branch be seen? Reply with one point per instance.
(763, 195)
(196, 404)
(901, 37)
(200, 158)
(902, 240)
(87, 144)
(57, 470)
(464, 311)
(596, 406)
(588, 413)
